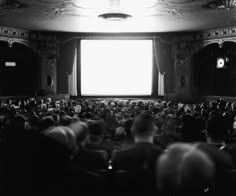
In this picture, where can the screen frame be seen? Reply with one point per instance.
(154, 70)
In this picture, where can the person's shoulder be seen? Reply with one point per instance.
(124, 150)
(219, 155)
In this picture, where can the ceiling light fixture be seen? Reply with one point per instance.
(222, 4)
(114, 14)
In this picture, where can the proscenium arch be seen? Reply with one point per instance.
(202, 44)
(208, 80)
(11, 41)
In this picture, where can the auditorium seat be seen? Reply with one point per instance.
(140, 181)
(226, 183)
(81, 180)
(92, 159)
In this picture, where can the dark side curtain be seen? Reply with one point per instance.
(165, 65)
(159, 52)
(67, 61)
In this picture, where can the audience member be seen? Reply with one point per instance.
(184, 169)
(112, 137)
(139, 160)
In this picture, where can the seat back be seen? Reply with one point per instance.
(133, 181)
(226, 182)
(98, 159)
(80, 180)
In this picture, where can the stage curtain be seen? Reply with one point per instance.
(67, 52)
(157, 50)
(161, 84)
(164, 64)
(72, 78)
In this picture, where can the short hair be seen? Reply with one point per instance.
(183, 167)
(65, 120)
(127, 126)
(143, 125)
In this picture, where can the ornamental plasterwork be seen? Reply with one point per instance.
(213, 34)
(58, 8)
(13, 35)
(8, 5)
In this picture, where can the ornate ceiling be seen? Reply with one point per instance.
(82, 15)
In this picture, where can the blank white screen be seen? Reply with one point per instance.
(116, 67)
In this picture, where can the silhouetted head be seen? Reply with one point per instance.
(184, 168)
(143, 127)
